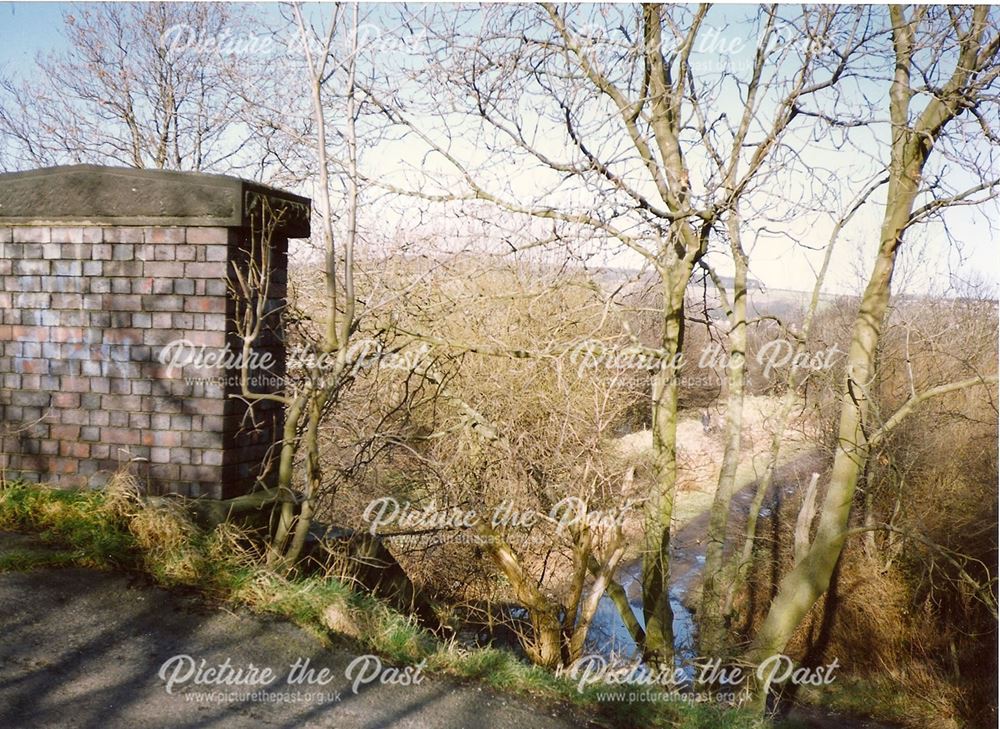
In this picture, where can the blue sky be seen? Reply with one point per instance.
(25, 29)
(29, 28)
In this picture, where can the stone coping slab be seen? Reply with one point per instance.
(93, 195)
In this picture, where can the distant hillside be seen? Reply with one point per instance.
(762, 301)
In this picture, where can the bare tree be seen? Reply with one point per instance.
(925, 99)
(628, 107)
(137, 86)
(330, 70)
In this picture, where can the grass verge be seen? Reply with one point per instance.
(116, 529)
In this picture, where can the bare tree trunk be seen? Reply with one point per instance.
(739, 563)
(912, 143)
(659, 644)
(712, 627)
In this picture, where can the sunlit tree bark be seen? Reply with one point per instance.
(915, 130)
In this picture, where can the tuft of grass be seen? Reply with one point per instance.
(73, 519)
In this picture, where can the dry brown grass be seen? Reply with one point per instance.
(164, 532)
(915, 640)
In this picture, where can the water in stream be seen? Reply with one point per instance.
(609, 638)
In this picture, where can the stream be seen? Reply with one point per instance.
(609, 638)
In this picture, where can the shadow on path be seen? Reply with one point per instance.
(83, 648)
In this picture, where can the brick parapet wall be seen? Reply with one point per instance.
(86, 314)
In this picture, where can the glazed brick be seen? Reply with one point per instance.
(67, 268)
(164, 269)
(29, 267)
(204, 270)
(84, 313)
(66, 235)
(120, 436)
(172, 236)
(207, 236)
(33, 235)
(205, 304)
(124, 235)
